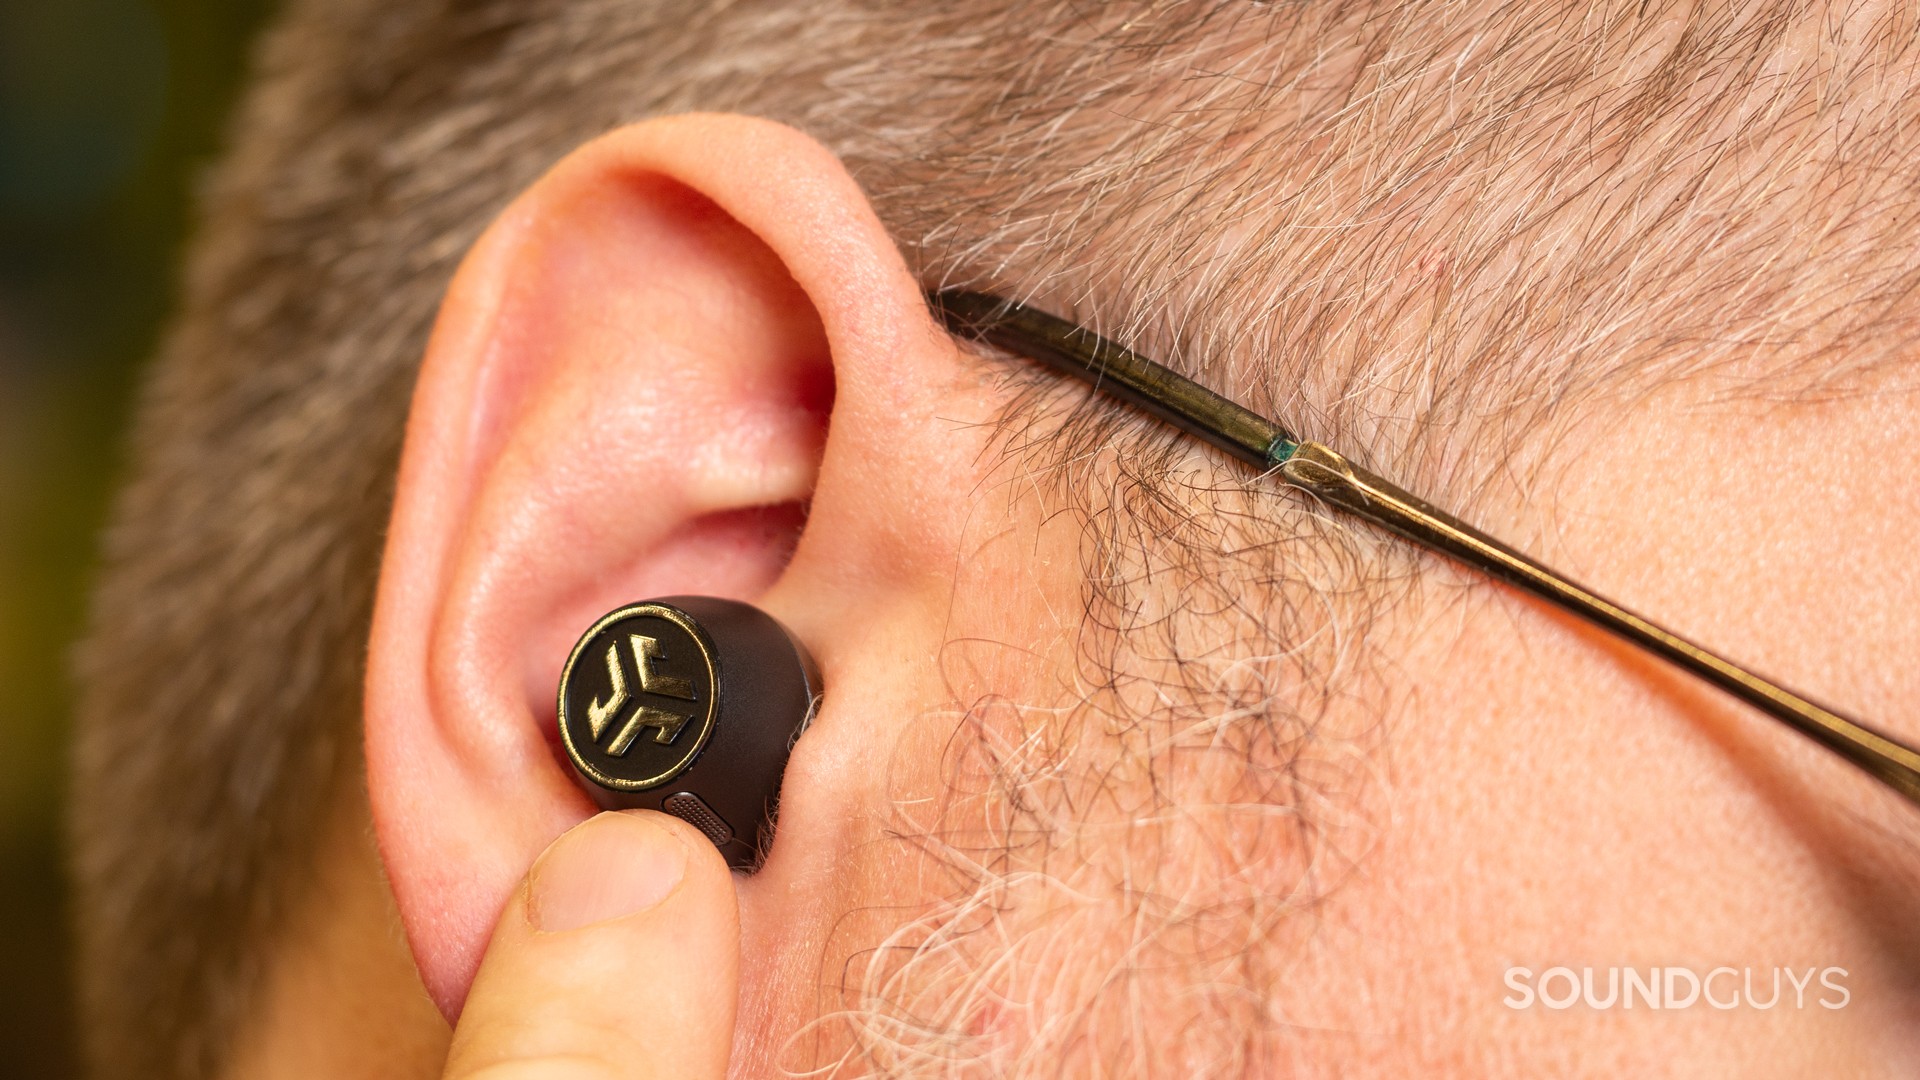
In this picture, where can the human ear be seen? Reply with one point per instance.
(688, 360)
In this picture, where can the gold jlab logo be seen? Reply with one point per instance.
(666, 724)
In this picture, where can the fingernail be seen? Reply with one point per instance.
(608, 866)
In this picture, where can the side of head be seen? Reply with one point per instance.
(1128, 761)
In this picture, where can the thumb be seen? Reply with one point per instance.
(619, 957)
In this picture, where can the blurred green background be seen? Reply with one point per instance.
(109, 111)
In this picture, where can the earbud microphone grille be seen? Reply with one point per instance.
(687, 806)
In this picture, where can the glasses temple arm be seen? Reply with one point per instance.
(1314, 468)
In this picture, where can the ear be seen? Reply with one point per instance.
(687, 350)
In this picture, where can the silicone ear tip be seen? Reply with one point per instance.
(689, 705)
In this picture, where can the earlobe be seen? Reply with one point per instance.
(627, 395)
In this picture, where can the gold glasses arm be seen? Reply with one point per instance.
(1338, 482)
(1260, 442)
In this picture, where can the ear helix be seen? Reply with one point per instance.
(689, 705)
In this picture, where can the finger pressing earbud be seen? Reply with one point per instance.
(689, 705)
(617, 957)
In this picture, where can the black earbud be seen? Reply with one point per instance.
(689, 705)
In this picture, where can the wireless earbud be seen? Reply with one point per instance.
(689, 705)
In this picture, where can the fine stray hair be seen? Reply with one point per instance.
(1433, 234)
